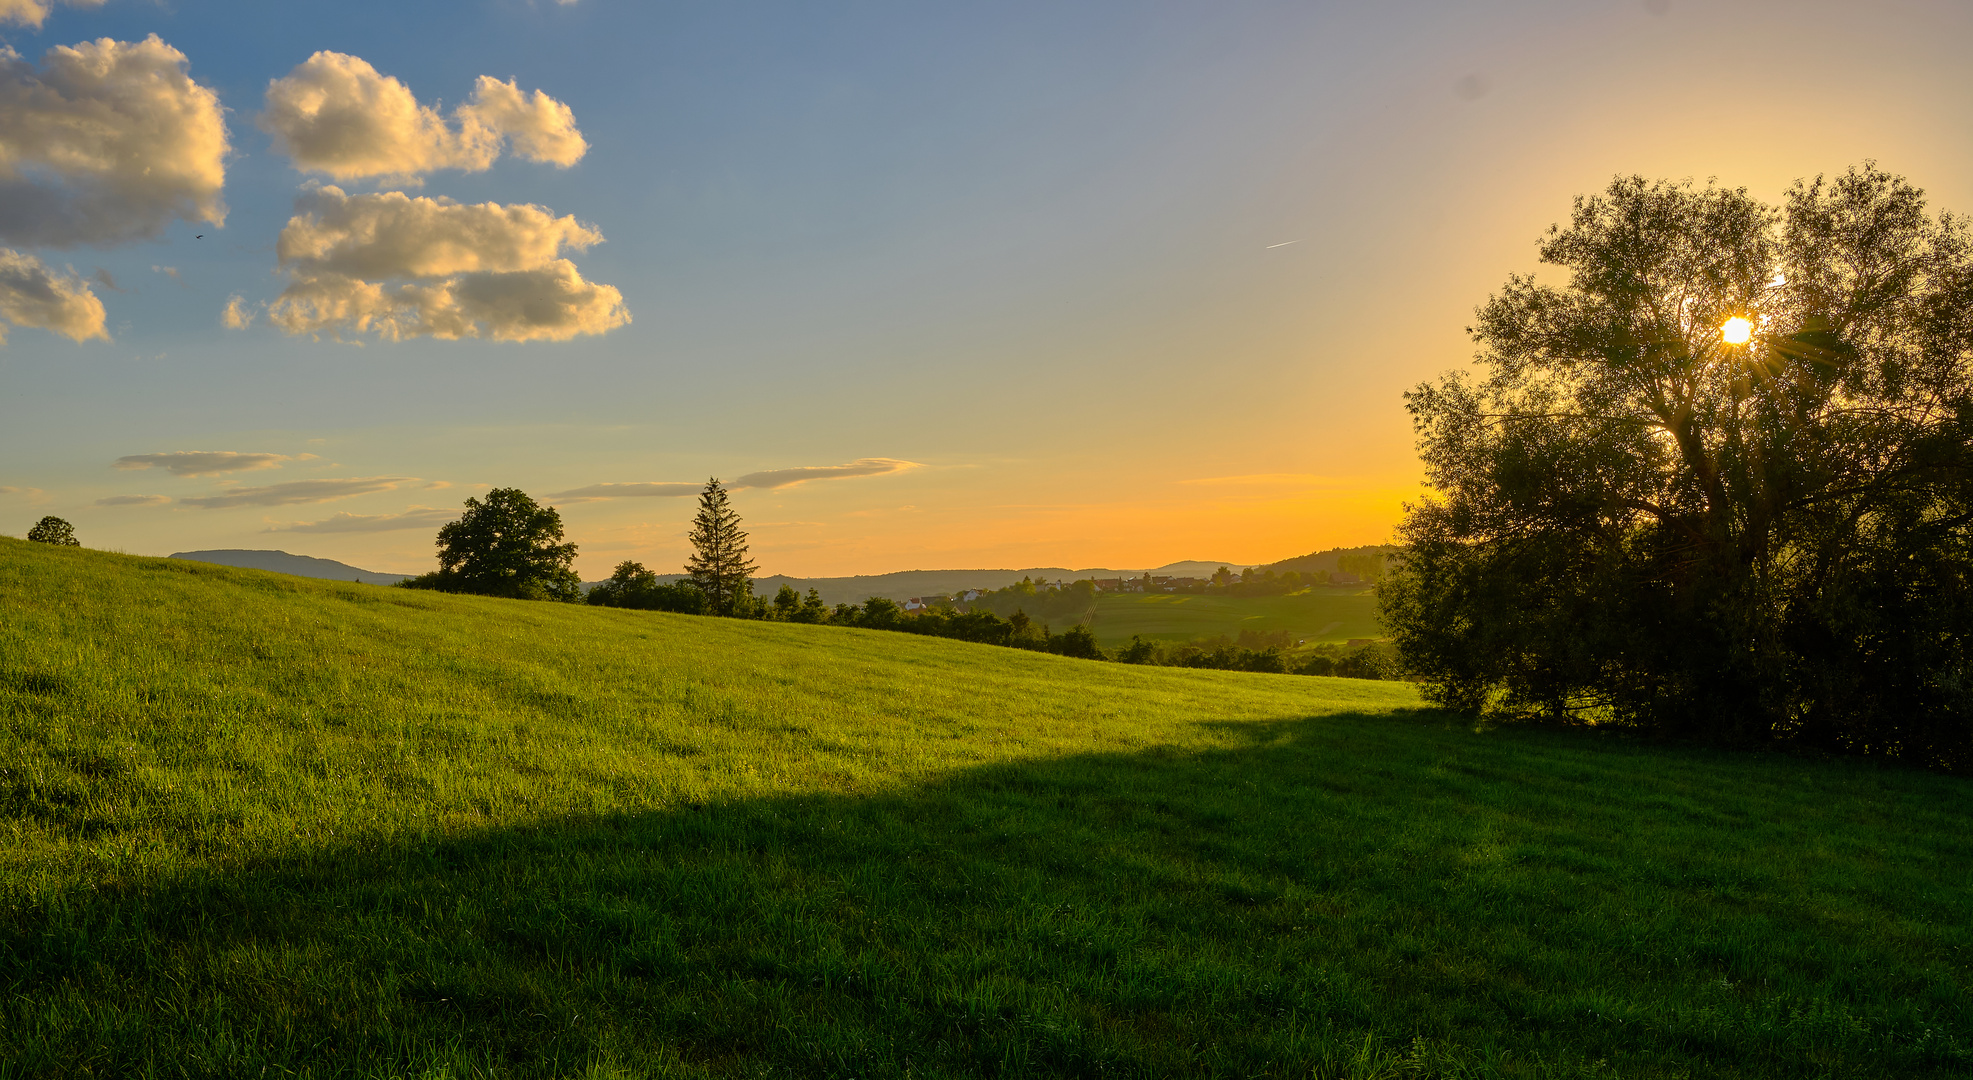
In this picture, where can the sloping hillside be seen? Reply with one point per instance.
(1314, 615)
(255, 824)
(1328, 561)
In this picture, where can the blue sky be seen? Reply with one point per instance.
(1043, 284)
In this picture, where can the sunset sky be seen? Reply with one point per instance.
(934, 285)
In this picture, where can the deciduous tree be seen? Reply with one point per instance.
(1719, 482)
(505, 545)
(631, 585)
(53, 530)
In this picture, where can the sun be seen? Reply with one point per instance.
(1737, 331)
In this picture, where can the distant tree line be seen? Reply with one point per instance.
(1077, 599)
(508, 545)
(634, 586)
(1074, 601)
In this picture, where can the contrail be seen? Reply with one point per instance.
(1271, 247)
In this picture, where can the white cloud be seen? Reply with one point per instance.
(417, 517)
(299, 491)
(33, 295)
(393, 235)
(237, 314)
(537, 126)
(335, 114)
(134, 500)
(107, 142)
(780, 478)
(552, 303)
(201, 462)
(403, 267)
(772, 478)
(33, 12)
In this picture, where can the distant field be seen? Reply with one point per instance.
(1317, 616)
(256, 825)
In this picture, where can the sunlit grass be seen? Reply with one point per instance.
(1316, 615)
(251, 823)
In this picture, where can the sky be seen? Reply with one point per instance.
(929, 286)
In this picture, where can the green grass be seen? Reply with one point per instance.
(255, 825)
(1318, 615)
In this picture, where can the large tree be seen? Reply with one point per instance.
(505, 545)
(1717, 482)
(719, 565)
(53, 530)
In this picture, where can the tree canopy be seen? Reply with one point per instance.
(1719, 482)
(631, 585)
(53, 530)
(719, 565)
(505, 545)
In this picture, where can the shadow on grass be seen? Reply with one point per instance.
(1349, 896)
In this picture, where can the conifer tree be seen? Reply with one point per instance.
(719, 565)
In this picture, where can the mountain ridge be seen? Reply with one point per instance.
(282, 562)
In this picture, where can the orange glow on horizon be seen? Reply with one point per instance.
(1243, 525)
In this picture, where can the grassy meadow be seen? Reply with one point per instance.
(260, 825)
(1317, 615)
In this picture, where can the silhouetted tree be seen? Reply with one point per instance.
(1737, 530)
(719, 565)
(1024, 633)
(629, 580)
(1318, 664)
(53, 530)
(880, 613)
(633, 586)
(1076, 641)
(505, 545)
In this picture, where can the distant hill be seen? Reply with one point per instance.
(904, 584)
(1193, 568)
(1325, 560)
(283, 563)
